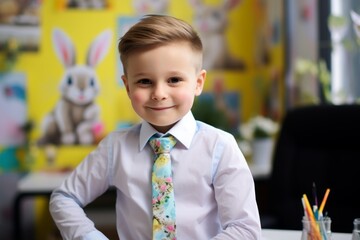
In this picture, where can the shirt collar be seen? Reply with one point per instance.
(183, 131)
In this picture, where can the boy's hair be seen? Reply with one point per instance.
(157, 30)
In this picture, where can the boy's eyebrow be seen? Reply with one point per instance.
(170, 73)
(139, 75)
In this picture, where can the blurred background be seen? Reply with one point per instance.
(263, 59)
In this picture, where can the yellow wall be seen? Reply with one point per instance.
(44, 70)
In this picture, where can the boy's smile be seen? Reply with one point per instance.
(162, 83)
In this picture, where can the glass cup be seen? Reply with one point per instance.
(319, 230)
(356, 231)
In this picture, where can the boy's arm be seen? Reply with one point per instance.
(88, 181)
(235, 196)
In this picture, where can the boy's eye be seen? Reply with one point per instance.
(174, 80)
(144, 81)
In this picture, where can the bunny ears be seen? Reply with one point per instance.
(65, 50)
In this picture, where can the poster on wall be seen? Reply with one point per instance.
(142, 7)
(19, 24)
(84, 4)
(13, 109)
(211, 22)
(13, 117)
(75, 117)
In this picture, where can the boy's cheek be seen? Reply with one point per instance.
(138, 97)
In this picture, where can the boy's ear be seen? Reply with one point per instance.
(125, 81)
(200, 81)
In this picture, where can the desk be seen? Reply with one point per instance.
(34, 185)
(41, 184)
(275, 234)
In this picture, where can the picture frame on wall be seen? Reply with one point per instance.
(20, 25)
(84, 4)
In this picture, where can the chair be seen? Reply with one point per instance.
(316, 144)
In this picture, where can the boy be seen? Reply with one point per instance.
(211, 182)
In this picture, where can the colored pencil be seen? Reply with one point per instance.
(324, 201)
(315, 195)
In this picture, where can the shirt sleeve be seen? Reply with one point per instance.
(88, 181)
(94, 235)
(235, 194)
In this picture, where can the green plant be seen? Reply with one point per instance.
(258, 127)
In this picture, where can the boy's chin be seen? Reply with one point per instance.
(163, 128)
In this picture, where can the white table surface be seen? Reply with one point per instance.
(276, 234)
(47, 181)
(41, 181)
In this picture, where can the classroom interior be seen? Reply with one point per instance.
(290, 98)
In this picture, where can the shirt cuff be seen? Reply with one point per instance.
(95, 235)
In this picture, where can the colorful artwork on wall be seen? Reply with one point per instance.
(20, 23)
(75, 118)
(13, 108)
(84, 4)
(143, 7)
(112, 100)
(13, 117)
(211, 21)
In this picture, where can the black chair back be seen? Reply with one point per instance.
(319, 144)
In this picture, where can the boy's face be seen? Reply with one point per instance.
(162, 83)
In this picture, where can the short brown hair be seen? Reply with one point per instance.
(157, 30)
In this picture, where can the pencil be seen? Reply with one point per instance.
(324, 200)
(305, 213)
(308, 208)
(315, 195)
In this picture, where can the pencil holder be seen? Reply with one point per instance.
(316, 230)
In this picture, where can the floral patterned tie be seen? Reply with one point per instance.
(163, 201)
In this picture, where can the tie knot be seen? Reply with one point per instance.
(162, 144)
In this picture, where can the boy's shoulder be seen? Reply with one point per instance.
(212, 131)
(124, 133)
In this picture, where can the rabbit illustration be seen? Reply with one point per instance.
(150, 6)
(211, 23)
(75, 115)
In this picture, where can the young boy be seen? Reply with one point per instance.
(211, 182)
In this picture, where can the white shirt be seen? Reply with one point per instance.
(213, 186)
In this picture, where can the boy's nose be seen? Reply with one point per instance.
(159, 93)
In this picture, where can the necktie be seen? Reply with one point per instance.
(163, 201)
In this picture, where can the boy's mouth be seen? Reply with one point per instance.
(160, 108)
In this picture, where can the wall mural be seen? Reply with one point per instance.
(244, 59)
(232, 91)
